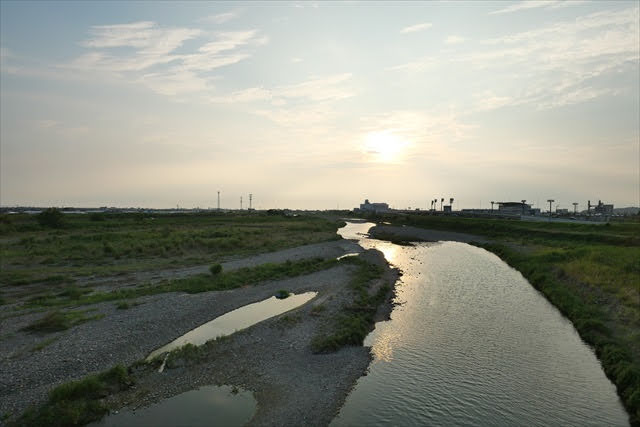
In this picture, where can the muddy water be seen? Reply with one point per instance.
(473, 343)
(236, 320)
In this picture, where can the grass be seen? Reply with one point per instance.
(60, 321)
(125, 305)
(194, 284)
(44, 343)
(122, 243)
(78, 402)
(591, 273)
(356, 320)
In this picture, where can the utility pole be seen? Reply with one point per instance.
(589, 207)
(250, 199)
(218, 200)
(575, 206)
(492, 202)
(240, 202)
(550, 202)
(523, 202)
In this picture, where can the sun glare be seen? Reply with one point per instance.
(384, 146)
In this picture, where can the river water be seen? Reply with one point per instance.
(473, 343)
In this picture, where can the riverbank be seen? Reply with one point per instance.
(269, 358)
(592, 275)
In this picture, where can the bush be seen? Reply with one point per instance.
(282, 294)
(215, 269)
(51, 217)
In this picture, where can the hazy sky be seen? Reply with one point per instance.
(319, 105)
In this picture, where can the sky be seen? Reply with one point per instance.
(319, 105)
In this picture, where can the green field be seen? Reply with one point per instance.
(53, 258)
(591, 273)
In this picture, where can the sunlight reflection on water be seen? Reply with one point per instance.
(473, 343)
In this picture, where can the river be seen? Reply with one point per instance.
(471, 342)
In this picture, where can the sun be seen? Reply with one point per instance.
(385, 146)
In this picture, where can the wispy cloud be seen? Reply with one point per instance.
(535, 4)
(415, 28)
(221, 18)
(416, 66)
(319, 89)
(454, 40)
(155, 61)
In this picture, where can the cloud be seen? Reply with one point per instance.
(143, 52)
(221, 18)
(416, 66)
(415, 28)
(318, 89)
(560, 64)
(454, 40)
(535, 4)
(246, 95)
(296, 60)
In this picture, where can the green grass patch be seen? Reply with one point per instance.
(59, 321)
(126, 242)
(42, 344)
(356, 320)
(125, 305)
(78, 402)
(196, 284)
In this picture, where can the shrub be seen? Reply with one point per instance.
(282, 294)
(95, 216)
(215, 269)
(51, 217)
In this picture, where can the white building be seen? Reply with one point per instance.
(374, 207)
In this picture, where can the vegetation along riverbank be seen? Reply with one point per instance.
(591, 273)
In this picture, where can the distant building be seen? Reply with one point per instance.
(447, 208)
(514, 208)
(374, 207)
(603, 209)
(561, 211)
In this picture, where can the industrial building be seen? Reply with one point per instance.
(602, 209)
(516, 208)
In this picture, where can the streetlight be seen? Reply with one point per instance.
(575, 206)
(550, 201)
(523, 202)
(492, 202)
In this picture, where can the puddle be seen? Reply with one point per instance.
(236, 320)
(206, 406)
